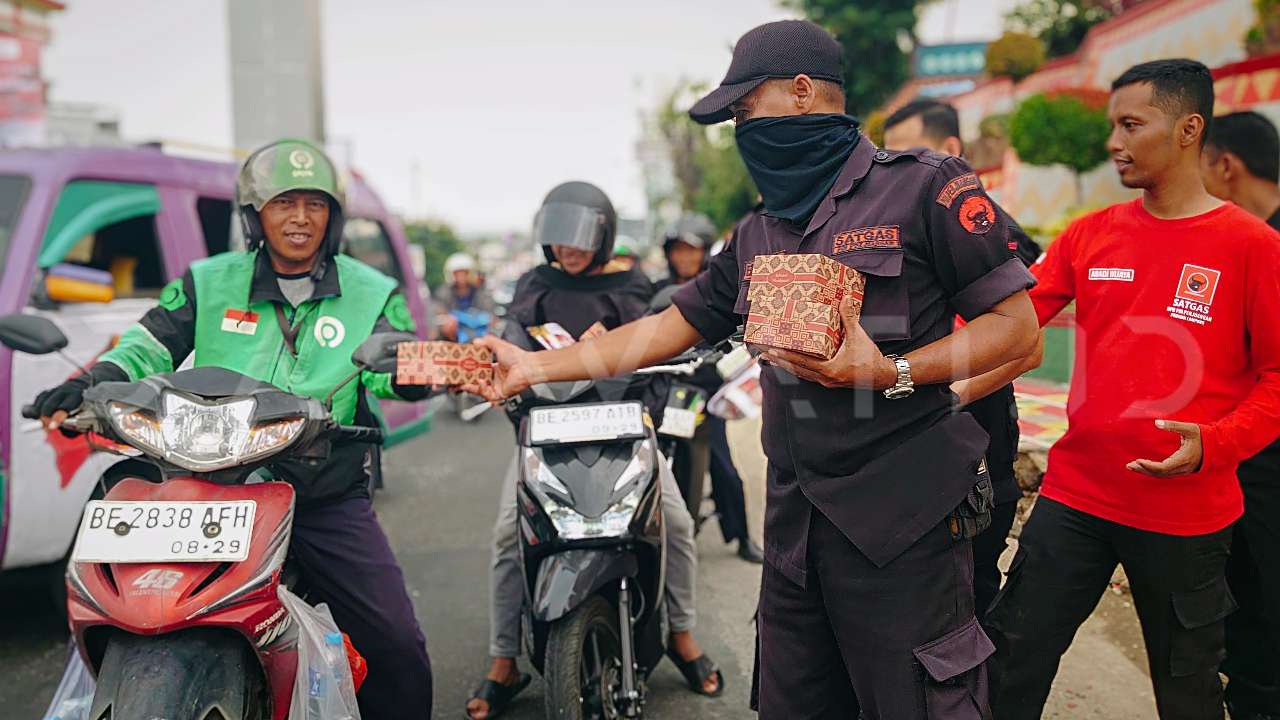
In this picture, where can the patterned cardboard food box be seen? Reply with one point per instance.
(442, 363)
(795, 302)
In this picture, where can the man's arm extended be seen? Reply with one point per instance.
(644, 342)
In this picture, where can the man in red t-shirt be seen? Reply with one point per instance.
(1176, 359)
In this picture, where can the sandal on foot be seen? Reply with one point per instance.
(498, 695)
(697, 672)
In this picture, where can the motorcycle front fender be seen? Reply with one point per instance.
(568, 578)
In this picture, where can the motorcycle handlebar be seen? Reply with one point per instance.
(30, 412)
(360, 433)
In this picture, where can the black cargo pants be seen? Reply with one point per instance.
(898, 642)
(1253, 572)
(1064, 563)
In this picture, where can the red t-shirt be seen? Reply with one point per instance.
(1176, 319)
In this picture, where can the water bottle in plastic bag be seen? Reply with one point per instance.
(74, 697)
(323, 688)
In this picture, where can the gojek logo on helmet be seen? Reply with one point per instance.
(302, 162)
(330, 331)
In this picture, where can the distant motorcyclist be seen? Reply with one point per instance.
(582, 288)
(687, 247)
(461, 292)
(624, 253)
(289, 311)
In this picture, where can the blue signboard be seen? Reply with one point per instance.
(948, 60)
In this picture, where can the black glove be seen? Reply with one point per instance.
(69, 395)
(973, 514)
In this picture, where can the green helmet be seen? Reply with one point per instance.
(282, 166)
(622, 247)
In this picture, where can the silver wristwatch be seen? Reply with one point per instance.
(904, 386)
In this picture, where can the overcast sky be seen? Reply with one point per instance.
(497, 101)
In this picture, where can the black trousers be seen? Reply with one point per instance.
(987, 549)
(1064, 563)
(894, 643)
(1253, 572)
(346, 561)
(726, 484)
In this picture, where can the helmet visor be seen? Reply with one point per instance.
(574, 226)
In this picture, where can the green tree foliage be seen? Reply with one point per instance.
(439, 241)
(710, 176)
(1061, 24)
(725, 192)
(1015, 54)
(877, 36)
(1060, 129)
(1264, 37)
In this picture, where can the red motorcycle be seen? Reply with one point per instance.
(173, 585)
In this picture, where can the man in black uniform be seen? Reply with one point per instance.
(1241, 163)
(874, 484)
(935, 125)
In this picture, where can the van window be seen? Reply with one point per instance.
(108, 226)
(13, 195)
(367, 241)
(215, 224)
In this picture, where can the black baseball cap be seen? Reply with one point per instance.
(782, 49)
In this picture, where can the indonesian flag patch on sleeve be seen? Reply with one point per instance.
(244, 322)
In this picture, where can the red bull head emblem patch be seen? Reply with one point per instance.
(977, 215)
(1194, 296)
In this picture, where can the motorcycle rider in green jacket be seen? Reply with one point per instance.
(289, 310)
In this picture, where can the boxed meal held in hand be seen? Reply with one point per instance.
(442, 363)
(795, 302)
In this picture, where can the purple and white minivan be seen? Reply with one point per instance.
(138, 216)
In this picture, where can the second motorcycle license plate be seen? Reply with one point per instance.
(596, 422)
(142, 532)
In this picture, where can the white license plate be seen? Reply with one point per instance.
(586, 423)
(679, 422)
(143, 532)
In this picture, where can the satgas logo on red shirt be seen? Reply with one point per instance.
(1194, 295)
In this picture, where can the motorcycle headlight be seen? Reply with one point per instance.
(572, 525)
(201, 436)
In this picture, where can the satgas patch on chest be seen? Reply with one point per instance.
(879, 237)
(1193, 298)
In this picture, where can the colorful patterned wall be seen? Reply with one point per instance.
(1210, 31)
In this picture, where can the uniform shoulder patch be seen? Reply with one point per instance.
(955, 187)
(977, 214)
(173, 296)
(398, 313)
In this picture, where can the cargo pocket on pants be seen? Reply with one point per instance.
(1198, 642)
(955, 686)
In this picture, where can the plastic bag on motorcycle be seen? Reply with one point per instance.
(323, 688)
(74, 695)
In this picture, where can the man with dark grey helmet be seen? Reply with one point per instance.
(585, 290)
(290, 311)
(875, 486)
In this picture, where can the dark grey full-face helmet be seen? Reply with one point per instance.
(578, 215)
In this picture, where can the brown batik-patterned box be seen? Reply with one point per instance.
(442, 363)
(795, 302)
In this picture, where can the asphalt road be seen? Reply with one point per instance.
(438, 510)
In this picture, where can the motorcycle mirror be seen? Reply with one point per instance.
(31, 334)
(378, 352)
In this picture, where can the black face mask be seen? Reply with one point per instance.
(796, 159)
